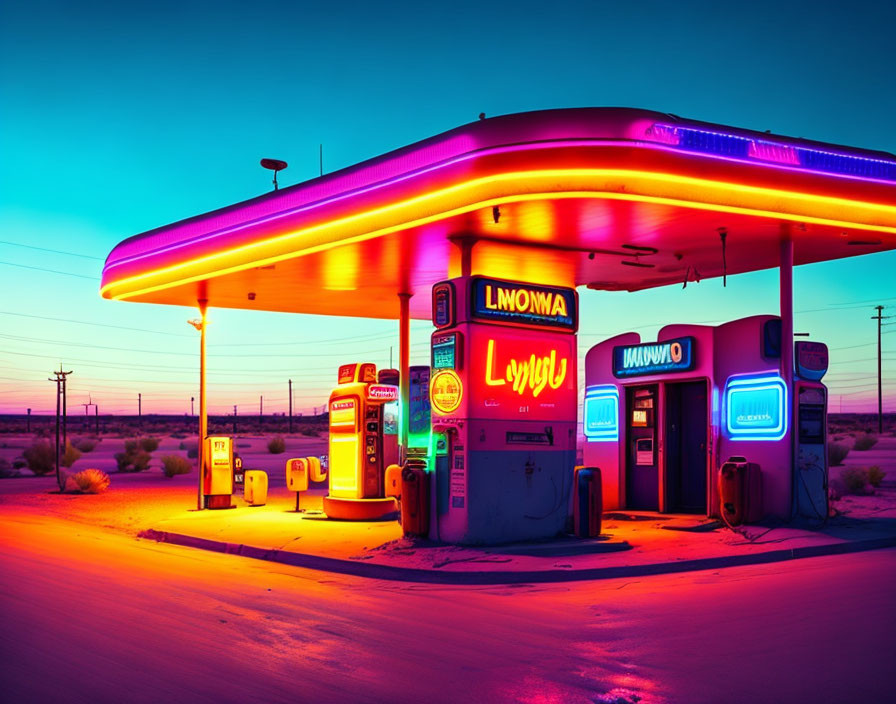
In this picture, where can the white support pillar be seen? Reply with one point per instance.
(404, 366)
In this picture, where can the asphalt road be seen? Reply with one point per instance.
(94, 616)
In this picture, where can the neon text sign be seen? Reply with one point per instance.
(526, 375)
(513, 303)
(654, 358)
(755, 407)
(601, 414)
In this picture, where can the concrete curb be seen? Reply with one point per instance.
(408, 574)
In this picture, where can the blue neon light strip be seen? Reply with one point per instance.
(755, 407)
(766, 151)
(601, 414)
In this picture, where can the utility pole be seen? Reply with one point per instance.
(29, 420)
(290, 405)
(192, 398)
(880, 396)
(60, 398)
(260, 411)
(96, 415)
(140, 410)
(87, 412)
(234, 419)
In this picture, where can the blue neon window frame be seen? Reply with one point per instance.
(755, 383)
(601, 394)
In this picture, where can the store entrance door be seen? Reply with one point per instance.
(685, 446)
(642, 468)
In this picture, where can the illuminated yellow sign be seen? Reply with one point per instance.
(532, 374)
(342, 413)
(446, 391)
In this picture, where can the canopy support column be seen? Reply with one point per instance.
(203, 411)
(786, 294)
(404, 366)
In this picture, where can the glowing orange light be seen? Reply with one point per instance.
(527, 375)
(519, 186)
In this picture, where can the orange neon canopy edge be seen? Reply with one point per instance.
(567, 183)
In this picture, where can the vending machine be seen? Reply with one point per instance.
(391, 418)
(810, 431)
(503, 394)
(217, 472)
(357, 449)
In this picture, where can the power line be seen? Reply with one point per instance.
(51, 271)
(55, 251)
(99, 325)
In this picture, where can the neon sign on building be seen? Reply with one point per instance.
(654, 358)
(755, 407)
(514, 303)
(601, 414)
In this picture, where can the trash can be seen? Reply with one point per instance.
(255, 487)
(415, 501)
(740, 491)
(588, 504)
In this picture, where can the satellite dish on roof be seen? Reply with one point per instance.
(274, 165)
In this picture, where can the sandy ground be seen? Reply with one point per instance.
(252, 450)
(91, 615)
(148, 500)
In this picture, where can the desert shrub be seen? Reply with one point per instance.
(193, 451)
(41, 457)
(130, 446)
(136, 461)
(178, 436)
(182, 446)
(140, 461)
(6, 469)
(855, 479)
(85, 444)
(175, 464)
(149, 444)
(865, 442)
(70, 456)
(88, 481)
(19, 464)
(837, 452)
(875, 475)
(276, 445)
(309, 432)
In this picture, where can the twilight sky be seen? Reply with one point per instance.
(116, 118)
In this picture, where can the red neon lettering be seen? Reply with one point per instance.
(533, 374)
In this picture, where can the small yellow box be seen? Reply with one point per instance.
(255, 487)
(393, 481)
(317, 474)
(297, 474)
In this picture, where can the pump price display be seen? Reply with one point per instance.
(445, 351)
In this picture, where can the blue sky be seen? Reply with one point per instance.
(120, 117)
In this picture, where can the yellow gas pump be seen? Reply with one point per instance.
(217, 474)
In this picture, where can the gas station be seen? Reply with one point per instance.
(488, 230)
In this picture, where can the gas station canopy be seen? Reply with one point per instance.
(609, 198)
